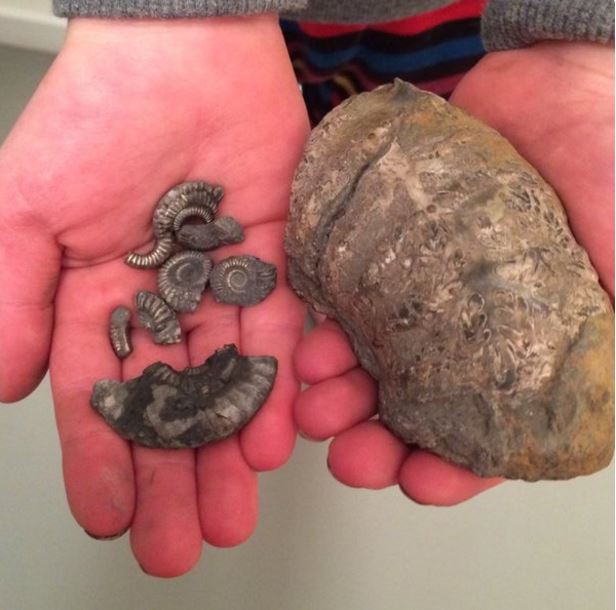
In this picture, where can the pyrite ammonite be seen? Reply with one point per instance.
(242, 280)
(449, 263)
(182, 280)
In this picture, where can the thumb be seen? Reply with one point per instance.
(29, 268)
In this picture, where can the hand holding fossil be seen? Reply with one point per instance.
(127, 110)
(567, 133)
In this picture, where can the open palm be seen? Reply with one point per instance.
(128, 110)
(554, 102)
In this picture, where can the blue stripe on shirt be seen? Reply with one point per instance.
(399, 62)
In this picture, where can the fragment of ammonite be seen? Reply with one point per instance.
(182, 280)
(119, 331)
(221, 232)
(186, 199)
(242, 280)
(155, 315)
(449, 263)
(174, 409)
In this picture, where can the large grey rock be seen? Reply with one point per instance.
(448, 261)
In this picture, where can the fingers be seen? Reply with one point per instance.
(97, 464)
(428, 479)
(334, 405)
(324, 353)
(165, 533)
(272, 328)
(228, 494)
(227, 488)
(28, 274)
(366, 456)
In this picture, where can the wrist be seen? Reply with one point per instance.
(166, 36)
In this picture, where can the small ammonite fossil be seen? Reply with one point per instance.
(221, 232)
(182, 279)
(174, 409)
(242, 280)
(155, 315)
(195, 194)
(119, 331)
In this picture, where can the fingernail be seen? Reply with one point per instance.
(111, 537)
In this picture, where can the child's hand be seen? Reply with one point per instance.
(128, 110)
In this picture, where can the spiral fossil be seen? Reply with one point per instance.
(174, 409)
(196, 194)
(242, 280)
(155, 315)
(182, 279)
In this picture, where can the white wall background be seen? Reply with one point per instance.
(319, 545)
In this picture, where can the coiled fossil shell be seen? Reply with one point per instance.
(154, 258)
(242, 280)
(175, 409)
(196, 194)
(182, 279)
(221, 232)
(119, 331)
(155, 315)
(185, 195)
(449, 263)
(193, 211)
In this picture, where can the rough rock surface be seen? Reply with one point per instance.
(448, 261)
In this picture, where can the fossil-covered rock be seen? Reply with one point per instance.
(170, 409)
(449, 263)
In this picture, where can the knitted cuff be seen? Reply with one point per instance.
(511, 24)
(169, 9)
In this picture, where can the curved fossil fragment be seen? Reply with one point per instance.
(154, 258)
(242, 280)
(193, 211)
(174, 409)
(182, 279)
(221, 232)
(155, 315)
(119, 331)
(188, 194)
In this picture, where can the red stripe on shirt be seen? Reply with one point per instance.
(463, 9)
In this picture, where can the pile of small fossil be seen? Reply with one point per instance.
(449, 263)
(163, 407)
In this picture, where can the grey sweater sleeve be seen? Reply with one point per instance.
(511, 24)
(169, 9)
(506, 24)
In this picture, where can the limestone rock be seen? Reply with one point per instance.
(449, 263)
